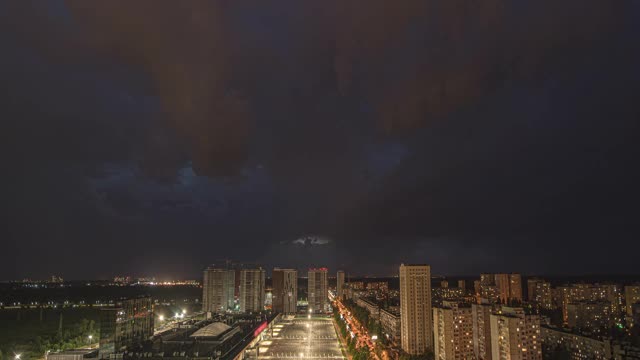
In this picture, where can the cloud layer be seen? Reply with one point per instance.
(422, 132)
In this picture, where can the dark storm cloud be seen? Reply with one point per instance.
(399, 132)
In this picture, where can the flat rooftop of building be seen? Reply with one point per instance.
(77, 351)
(212, 330)
(86, 353)
(301, 337)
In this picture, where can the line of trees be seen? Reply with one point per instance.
(64, 339)
(361, 353)
(364, 318)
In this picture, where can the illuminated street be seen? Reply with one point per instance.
(301, 337)
(359, 332)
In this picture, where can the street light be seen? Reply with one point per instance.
(18, 356)
(90, 337)
(184, 311)
(161, 317)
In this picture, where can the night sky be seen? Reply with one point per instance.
(152, 137)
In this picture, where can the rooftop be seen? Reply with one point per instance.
(213, 330)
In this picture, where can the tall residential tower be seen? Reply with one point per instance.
(285, 290)
(218, 292)
(317, 290)
(340, 284)
(252, 290)
(415, 309)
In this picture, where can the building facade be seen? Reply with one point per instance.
(503, 288)
(593, 316)
(515, 336)
(218, 290)
(390, 323)
(509, 287)
(539, 292)
(481, 318)
(631, 296)
(415, 309)
(252, 290)
(317, 290)
(128, 324)
(453, 332)
(576, 293)
(285, 290)
(579, 347)
(372, 308)
(340, 285)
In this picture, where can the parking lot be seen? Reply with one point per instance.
(301, 337)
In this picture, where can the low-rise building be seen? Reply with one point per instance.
(370, 306)
(128, 324)
(79, 354)
(390, 322)
(382, 286)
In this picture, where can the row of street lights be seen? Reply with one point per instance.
(177, 316)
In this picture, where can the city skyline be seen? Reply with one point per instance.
(335, 180)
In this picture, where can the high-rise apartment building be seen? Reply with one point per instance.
(218, 290)
(593, 316)
(462, 284)
(515, 335)
(128, 324)
(509, 287)
(575, 293)
(317, 290)
(285, 290)
(481, 318)
(631, 297)
(504, 288)
(415, 309)
(453, 332)
(252, 290)
(340, 284)
(539, 292)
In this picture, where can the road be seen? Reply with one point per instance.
(360, 332)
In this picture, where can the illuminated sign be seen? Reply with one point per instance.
(260, 329)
